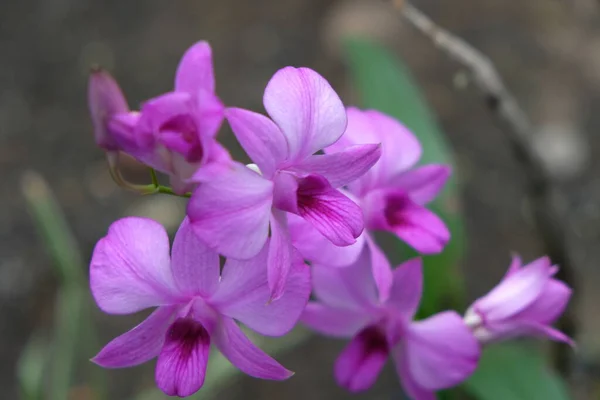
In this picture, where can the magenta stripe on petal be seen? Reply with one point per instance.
(337, 217)
(181, 365)
(360, 363)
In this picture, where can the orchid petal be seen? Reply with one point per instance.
(181, 365)
(244, 295)
(541, 330)
(140, 344)
(105, 99)
(130, 267)
(515, 293)
(381, 270)
(416, 225)
(410, 386)
(260, 138)
(230, 211)
(358, 366)
(195, 267)
(279, 260)
(549, 305)
(210, 113)
(331, 321)
(424, 183)
(352, 287)
(333, 214)
(344, 166)
(307, 110)
(241, 352)
(441, 351)
(195, 70)
(318, 249)
(161, 109)
(400, 148)
(407, 288)
(515, 265)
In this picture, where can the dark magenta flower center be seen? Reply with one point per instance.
(180, 134)
(373, 341)
(187, 333)
(395, 206)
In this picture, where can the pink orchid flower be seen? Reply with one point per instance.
(234, 210)
(433, 354)
(392, 194)
(525, 302)
(174, 132)
(197, 304)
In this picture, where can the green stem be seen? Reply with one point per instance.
(154, 177)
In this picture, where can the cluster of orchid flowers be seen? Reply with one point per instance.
(296, 222)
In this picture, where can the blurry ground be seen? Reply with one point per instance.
(548, 51)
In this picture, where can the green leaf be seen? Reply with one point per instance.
(30, 368)
(385, 84)
(73, 334)
(516, 372)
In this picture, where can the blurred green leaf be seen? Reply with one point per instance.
(30, 369)
(385, 84)
(516, 372)
(73, 324)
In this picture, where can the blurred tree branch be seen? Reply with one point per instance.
(550, 221)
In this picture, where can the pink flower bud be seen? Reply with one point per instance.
(105, 100)
(525, 303)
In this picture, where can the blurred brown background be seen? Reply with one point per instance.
(547, 50)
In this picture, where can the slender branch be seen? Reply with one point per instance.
(550, 222)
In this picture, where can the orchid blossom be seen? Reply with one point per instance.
(235, 208)
(433, 354)
(197, 306)
(525, 303)
(173, 133)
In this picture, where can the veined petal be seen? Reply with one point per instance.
(318, 249)
(407, 288)
(105, 99)
(362, 360)
(344, 166)
(424, 183)
(244, 295)
(181, 365)
(352, 287)
(440, 351)
(195, 70)
(331, 321)
(130, 268)
(140, 344)
(241, 352)
(307, 110)
(195, 266)
(416, 225)
(260, 137)
(333, 214)
(230, 211)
